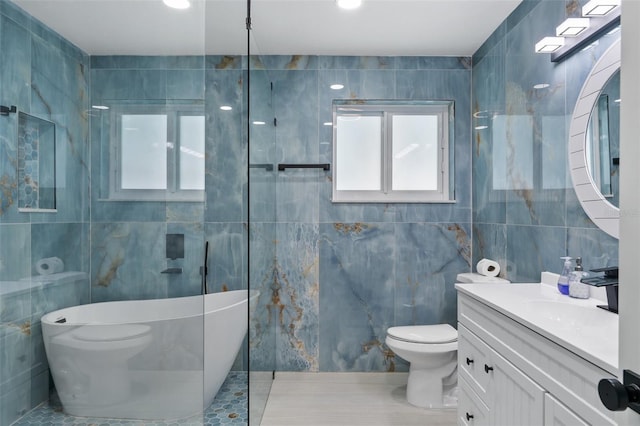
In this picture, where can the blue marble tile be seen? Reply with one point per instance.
(490, 241)
(185, 84)
(227, 256)
(224, 62)
(129, 62)
(226, 147)
(15, 13)
(127, 260)
(428, 258)
(356, 62)
(533, 249)
(596, 250)
(128, 84)
(357, 297)
(189, 281)
(287, 62)
(433, 62)
(15, 260)
(294, 297)
(263, 315)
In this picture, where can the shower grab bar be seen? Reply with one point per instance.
(324, 166)
(268, 167)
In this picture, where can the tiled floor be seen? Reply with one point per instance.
(230, 407)
(349, 399)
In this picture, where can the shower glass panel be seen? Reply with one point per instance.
(262, 233)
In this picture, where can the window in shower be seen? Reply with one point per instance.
(157, 153)
(392, 151)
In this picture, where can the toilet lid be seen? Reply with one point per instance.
(109, 333)
(439, 333)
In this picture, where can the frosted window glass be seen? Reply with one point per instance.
(415, 153)
(359, 153)
(144, 152)
(192, 152)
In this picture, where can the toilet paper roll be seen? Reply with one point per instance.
(488, 268)
(49, 265)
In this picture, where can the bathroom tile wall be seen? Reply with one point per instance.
(525, 211)
(128, 250)
(45, 77)
(343, 273)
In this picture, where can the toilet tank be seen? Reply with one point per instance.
(472, 277)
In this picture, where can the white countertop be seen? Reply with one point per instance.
(576, 324)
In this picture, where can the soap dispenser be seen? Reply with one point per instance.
(578, 289)
(563, 280)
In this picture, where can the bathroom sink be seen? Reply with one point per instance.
(566, 315)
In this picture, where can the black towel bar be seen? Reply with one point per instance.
(323, 166)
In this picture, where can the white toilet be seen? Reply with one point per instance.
(432, 351)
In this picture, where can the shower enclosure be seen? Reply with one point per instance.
(150, 164)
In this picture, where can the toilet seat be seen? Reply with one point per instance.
(424, 334)
(110, 333)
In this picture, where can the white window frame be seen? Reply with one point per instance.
(173, 191)
(444, 110)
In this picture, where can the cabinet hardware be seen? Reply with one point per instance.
(487, 368)
(469, 361)
(469, 416)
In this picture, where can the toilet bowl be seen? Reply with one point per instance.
(432, 353)
(99, 354)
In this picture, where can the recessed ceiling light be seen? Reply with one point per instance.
(599, 7)
(349, 4)
(226, 108)
(572, 27)
(177, 4)
(481, 127)
(328, 123)
(99, 107)
(549, 44)
(259, 123)
(337, 86)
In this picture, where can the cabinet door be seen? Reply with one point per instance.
(471, 409)
(556, 414)
(515, 399)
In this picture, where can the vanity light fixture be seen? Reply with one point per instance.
(549, 44)
(349, 4)
(572, 27)
(597, 8)
(177, 4)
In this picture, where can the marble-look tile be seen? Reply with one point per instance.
(185, 84)
(227, 256)
(490, 241)
(357, 295)
(15, 259)
(533, 249)
(433, 62)
(356, 62)
(189, 281)
(428, 258)
(289, 62)
(128, 84)
(226, 148)
(263, 316)
(294, 297)
(127, 260)
(596, 250)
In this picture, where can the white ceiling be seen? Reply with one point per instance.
(312, 27)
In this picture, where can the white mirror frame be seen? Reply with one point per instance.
(605, 215)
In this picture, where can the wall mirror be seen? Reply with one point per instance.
(593, 165)
(36, 164)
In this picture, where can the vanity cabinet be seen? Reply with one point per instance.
(511, 375)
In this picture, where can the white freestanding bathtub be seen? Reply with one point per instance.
(147, 359)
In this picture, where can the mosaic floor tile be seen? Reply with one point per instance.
(230, 407)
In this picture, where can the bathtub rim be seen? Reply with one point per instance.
(49, 319)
